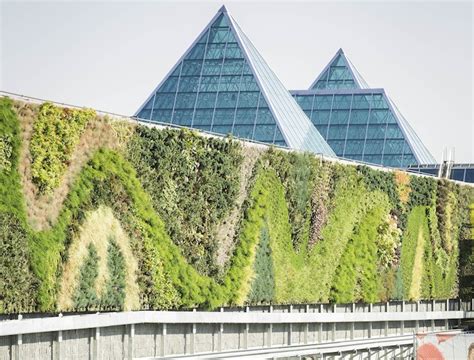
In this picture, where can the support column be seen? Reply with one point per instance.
(246, 331)
(57, 346)
(163, 340)
(306, 326)
(369, 331)
(320, 333)
(219, 336)
(290, 326)
(18, 341)
(131, 335)
(270, 329)
(95, 344)
(352, 323)
(193, 337)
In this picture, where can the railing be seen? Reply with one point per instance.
(253, 331)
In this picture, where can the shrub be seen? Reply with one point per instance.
(114, 295)
(85, 297)
(263, 284)
(18, 286)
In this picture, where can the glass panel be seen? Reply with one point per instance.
(393, 131)
(162, 115)
(469, 177)
(356, 132)
(373, 147)
(164, 101)
(212, 67)
(264, 116)
(229, 83)
(248, 83)
(340, 117)
(305, 101)
(378, 116)
(209, 83)
(206, 100)
(248, 99)
(243, 131)
(222, 129)
(337, 146)
(144, 114)
(360, 102)
(264, 133)
(215, 51)
(323, 102)
(183, 117)
(233, 51)
(188, 84)
(149, 104)
(337, 132)
(197, 52)
(227, 100)
(320, 117)
(203, 117)
(218, 35)
(354, 147)
(342, 101)
(191, 67)
(185, 100)
(223, 117)
(359, 116)
(376, 132)
(245, 116)
(170, 85)
(232, 67)
(394, 146)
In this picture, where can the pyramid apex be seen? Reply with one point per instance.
(340, 51)
(223, 9)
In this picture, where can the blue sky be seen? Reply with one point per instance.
(110, 55)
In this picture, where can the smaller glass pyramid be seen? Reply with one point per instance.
(360, 123)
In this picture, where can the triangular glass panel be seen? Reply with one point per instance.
(338, 74)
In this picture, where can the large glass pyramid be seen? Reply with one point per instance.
(360, 123)
(223, 85)
(339, 74)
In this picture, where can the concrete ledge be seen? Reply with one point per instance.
(73, 322)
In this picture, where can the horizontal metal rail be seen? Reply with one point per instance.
(74, 322)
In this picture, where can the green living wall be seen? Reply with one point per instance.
(151, 218)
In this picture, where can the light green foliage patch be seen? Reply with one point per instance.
(55, 134)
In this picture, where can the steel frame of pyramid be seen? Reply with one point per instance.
(296, 128)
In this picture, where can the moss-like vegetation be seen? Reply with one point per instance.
(308, 231)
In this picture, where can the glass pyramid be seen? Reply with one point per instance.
(223, 85)
(339, 74)
(361, 124)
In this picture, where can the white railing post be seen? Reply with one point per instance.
(270, 329)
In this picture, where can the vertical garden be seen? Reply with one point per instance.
(100, 214)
